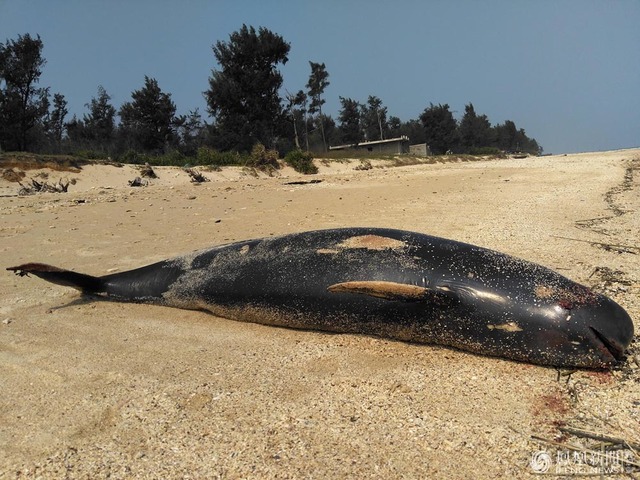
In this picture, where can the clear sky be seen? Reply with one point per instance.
(567, 71)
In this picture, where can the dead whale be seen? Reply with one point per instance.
(391, 283)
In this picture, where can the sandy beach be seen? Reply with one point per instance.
(95, 389)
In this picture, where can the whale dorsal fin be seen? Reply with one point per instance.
(394, 291)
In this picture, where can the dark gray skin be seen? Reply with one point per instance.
(390, 283)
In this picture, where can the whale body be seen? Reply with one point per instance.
(395, 284)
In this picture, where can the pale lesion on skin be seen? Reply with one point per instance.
(368, 242)
(544, 291)
(380, 289)
(372, 242)
(578, 295)
(506, 327)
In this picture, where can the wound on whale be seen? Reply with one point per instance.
(390, 283)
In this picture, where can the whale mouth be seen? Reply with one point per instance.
(609, 347)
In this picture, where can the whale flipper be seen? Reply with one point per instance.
(396, 291)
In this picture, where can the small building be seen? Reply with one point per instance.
(420, 150)
(390, 146)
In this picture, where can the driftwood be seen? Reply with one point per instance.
(138, 182)
(600, 454)
(579, 432)
(607, 246)
(147, 171)
(43, 187)
(196, 176)
(303, 182)
(364, 165)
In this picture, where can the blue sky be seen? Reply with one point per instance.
(567, 71)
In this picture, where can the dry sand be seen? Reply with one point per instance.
(90, 389)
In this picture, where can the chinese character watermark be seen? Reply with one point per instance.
(568, 462)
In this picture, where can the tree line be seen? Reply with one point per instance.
(245, 107)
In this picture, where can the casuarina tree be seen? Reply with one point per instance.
(475, 130)
(54, 124)
(100, 122)
(148, 120)
(440, 128)
(297, 108)
(22, 104)
(243, 95)
(318, 81)
(374, 119)
(349, 117)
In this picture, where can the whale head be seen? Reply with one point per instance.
(607, 330)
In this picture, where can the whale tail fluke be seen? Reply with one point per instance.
(80, 281)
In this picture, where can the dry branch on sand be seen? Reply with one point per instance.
(43, 187)
(138, 182)
(607, 246)
(589, 452)
(147, 172)
(196, 176)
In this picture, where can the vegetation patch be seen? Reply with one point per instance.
(364, 165)
(263, 159)
(34, 161)
(405, 161)
(210, 156)
(11, 175)
(301, 162)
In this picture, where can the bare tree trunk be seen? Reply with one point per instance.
(324, 140)
(295, 131)
(306, 130)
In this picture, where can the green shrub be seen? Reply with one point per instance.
(263, 159)
(484, 151)
(90, 154)
(301, 161)
(172, 158)
(209, 156)
(204, 156)
(131, 156)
